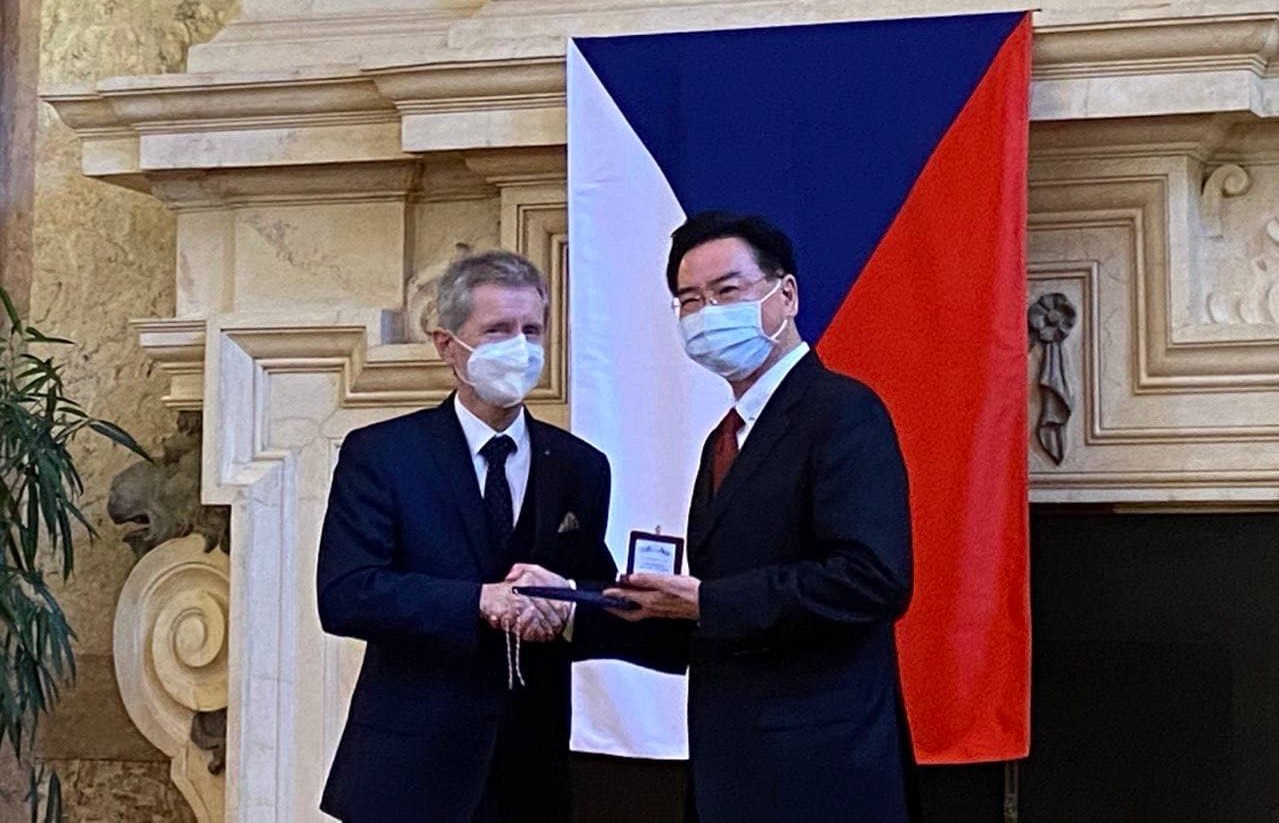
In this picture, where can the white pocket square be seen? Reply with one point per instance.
(569, 523)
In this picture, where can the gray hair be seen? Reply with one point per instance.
(500, 267)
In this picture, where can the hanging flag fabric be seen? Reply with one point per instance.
(894, 154)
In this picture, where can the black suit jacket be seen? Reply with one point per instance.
(403, 553)
(805, 559)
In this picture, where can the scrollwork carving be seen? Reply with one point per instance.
(171, 662)
(1250, 297)
(187, 639)
(1228, 180)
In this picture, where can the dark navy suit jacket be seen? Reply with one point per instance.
(404, 550)
(805, 558)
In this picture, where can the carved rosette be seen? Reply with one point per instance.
(1048, 323)
(171, 659)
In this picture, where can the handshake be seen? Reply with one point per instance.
(530, 618)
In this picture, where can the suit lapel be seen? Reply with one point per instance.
(763, 437)
(546, 472)
(699, 514)
(447, 445)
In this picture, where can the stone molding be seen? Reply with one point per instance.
(452, 98)
(376, 367)
(1169, 410)
(471, 30)
(341, 34)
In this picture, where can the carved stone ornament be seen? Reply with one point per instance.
(1250, 296)
(1228, 180)
(171, 663)
(1049, 321)
(171, 619)
(162, 499)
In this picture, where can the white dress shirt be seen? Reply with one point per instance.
(478, 433)
(517, 468)
(751, 404)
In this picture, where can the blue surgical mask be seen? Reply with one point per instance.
(729, 339)
(503, 372)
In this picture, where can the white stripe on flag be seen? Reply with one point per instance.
(632, 391)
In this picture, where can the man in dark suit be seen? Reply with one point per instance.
(455, 717)
(798, 552)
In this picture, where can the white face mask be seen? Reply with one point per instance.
(729, 339)
(503, 372)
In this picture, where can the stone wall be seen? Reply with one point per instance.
(104, 255)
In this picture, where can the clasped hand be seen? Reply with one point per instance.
(531, 618)
(672, 596)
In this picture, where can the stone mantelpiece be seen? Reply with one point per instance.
(503, 92)
(324, 159)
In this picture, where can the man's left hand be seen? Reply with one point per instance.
(673, 596)
(553, 612)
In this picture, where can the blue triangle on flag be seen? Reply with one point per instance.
(822, 128)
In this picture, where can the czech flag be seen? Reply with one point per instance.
(893, 153)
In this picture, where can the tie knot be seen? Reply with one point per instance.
(497, 450)
(732, 423)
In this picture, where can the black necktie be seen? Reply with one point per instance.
(497, 492)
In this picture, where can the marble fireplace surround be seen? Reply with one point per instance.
(324, 159)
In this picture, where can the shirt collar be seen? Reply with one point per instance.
(478, 432)
(751, 404)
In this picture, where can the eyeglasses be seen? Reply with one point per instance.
(729, 291)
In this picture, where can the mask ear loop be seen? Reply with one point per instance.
(772, 338)
(456, 371)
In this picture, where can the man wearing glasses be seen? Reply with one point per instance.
(798, 552)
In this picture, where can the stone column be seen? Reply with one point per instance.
(19, 63)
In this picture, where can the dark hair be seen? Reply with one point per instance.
(773, 250)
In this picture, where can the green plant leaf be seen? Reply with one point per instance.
(11, 311)
(120, 436)
(37, 336)
(53, 807)
(39, 490)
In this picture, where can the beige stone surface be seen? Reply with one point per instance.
(102, 256)
(323, 254)
(92, 723)
(303, 32)
(287, 33)
(1174, 363)
(443, 231)
(112, 791)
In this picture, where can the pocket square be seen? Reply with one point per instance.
(569, 523)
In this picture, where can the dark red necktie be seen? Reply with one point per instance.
(724, 449)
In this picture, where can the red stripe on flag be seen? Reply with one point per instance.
(936, 324)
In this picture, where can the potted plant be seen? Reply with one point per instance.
(39, 487)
